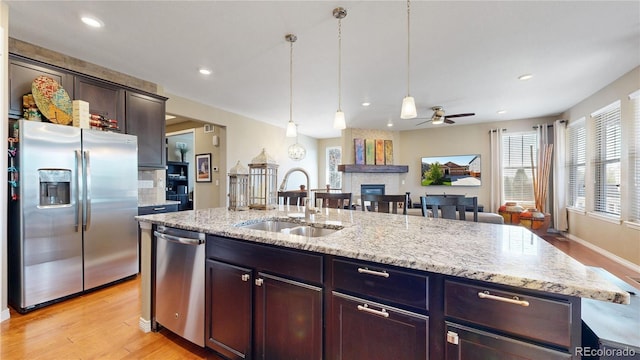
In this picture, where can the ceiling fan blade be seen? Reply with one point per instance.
(459, 115)
(424, 122)
(449, 121)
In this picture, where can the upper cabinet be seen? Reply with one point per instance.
(21, 76)
(145, 118)
(104, 98)
(137, 112)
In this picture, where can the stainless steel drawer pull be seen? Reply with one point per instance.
(383, 274)
(366, 308)
(245, 277)
(159, 208)
(514, 300)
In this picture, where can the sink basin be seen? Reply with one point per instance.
(271, 225)
(291, 228)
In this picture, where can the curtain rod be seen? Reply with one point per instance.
(494, 130)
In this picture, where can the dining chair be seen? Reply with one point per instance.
(335, 200)
(384, 203)
(470, 204)
(441, 206)
(292, 197)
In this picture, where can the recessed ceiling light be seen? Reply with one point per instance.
(204, 71)
(525, 77)
(366, 103)
(91, 21)
(502, 112)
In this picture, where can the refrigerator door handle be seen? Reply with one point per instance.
(77, 189)
(87, 191)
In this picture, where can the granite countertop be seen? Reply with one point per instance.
(158, 203)
(502, 254)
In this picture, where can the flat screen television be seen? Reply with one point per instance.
(453, 170)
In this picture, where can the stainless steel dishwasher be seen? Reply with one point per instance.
(179, 294)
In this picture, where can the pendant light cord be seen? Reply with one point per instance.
(408, 46)
(291, 82)
(339, 64)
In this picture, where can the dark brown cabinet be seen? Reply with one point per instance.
(104, 98)
(145, 118)
(229, 309)
(255, 309)
(486, 321)
(366, 330)
(465, 343)
(21, 76)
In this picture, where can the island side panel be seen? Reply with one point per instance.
(145, 276)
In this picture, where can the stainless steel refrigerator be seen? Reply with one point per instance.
(72, 227)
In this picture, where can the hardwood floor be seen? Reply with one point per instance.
(99, 325)
(104, 324)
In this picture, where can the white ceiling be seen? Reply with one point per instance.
(465, 55)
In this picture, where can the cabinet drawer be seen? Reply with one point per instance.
(368, 330)
(289, 263)
(382, 283)
(521, 314)
(467, 343)
(148, 210)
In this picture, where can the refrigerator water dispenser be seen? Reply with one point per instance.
(55, 187)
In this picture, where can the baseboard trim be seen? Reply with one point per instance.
(144, 325)
(611, 256)
(5, 315)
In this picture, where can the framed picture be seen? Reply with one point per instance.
(203, 167)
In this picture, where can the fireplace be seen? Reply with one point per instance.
(375, 189)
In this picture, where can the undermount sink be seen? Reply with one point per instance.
(292, 228)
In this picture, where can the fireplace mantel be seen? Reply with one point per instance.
(352, 168)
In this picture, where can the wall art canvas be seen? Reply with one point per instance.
(370, 151)
(388, 152)
(358, 145)
(379, 152)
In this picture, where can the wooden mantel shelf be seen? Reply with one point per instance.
(373, 168)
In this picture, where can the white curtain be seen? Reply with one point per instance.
(496, 169)
(560, 178)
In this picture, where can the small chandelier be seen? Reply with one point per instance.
(291, 126)
(296, 151)
(339, 120)
(408, 103)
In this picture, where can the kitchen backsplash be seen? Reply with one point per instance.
(151, 186)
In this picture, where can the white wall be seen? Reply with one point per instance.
(246, 137)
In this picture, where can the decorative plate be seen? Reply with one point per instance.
(52, 100)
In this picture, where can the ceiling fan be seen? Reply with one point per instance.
(439, 117)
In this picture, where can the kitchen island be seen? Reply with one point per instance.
(452, 257)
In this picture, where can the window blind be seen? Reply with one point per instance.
(606, 160)
(576, 164)
(635, 159)
(516, 166)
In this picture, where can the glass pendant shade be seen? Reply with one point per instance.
(291, 129)
(408, 108)
(338, 121)
(297, 152)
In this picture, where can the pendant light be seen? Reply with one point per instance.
(339, 120)
(296, 151)
(292, 131)
(408, 103)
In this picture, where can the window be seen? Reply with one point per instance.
(334, 157)
(517, 171)
(606, 160)
(576, 164)
(634, 160)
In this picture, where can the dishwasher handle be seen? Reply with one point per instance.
(179, 239)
